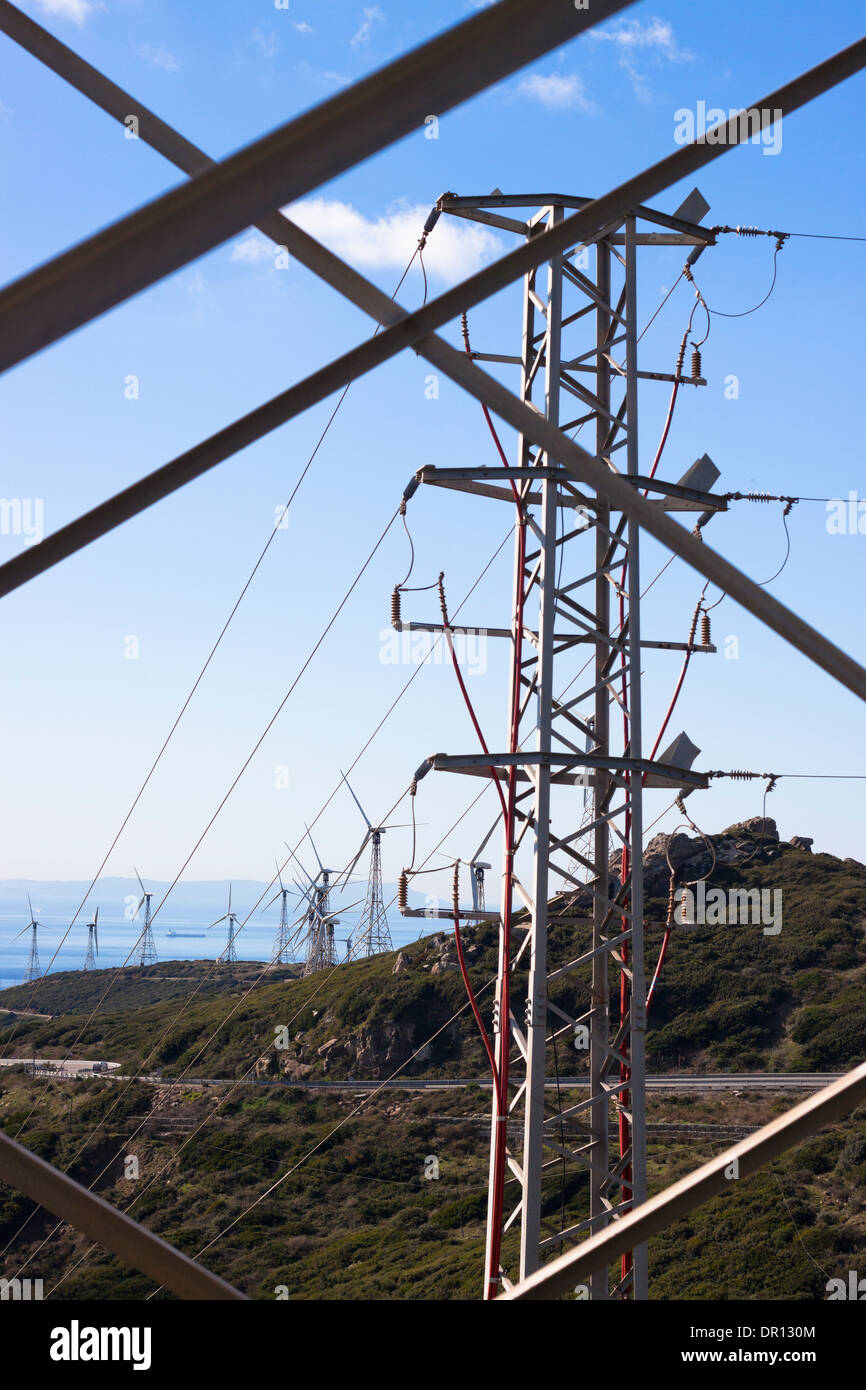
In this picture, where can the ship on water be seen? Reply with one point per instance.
(185, 933)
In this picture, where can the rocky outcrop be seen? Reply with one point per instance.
(754, 840)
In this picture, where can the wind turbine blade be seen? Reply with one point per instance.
(480, 850)
(355, 799)
(95, 917)
(138, 909)
(326, 917)
(22, 931)
(279, 875)
(315, 851)
(140, 884)
(30, 905)
(298, 862)
(96, 938)
(321, 868)
(273, 900)
(218, 920)
(351, 869)
(230, 899)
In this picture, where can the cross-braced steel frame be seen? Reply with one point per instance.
(147, 946)
(244, 189)
(321, 951)
(283, 937)
(578, 367)
(372, 934)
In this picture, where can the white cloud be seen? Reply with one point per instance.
(456, 247)
(372, 15)
(159, 57)
(253, 248)
(654, 41)
(556, 90)
(266, 41)
(76, 10)
(303, 27)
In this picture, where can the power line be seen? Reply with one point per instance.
(205, 978)
(225, 1098)
(826, 236)
(238, 776)
(194, 687)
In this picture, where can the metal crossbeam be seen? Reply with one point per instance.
(303, 154)
(65, 1197)
(741, 1160)
(414, 330)
(224, 198)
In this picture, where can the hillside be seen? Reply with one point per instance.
(729, 998)
(353, 1215)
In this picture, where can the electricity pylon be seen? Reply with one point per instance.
(230, 917)
(575, 603)
(33, 970)
(372, 934)
(92, 943)
(146, 946)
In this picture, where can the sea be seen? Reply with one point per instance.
(189, 910)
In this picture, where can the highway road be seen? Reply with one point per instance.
(673, 1081)
(677, 1081)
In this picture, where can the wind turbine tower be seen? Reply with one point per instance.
(147, 946)
(92, 943)
(476, 867)
(33, 970)
(230, 954)
(372, 934)
(321, 951)
(285, 936)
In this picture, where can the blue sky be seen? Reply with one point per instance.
(83, 721)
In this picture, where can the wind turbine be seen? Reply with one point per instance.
(284, 936)
(477, 867)
(146, 946)
(33, 970)
(372, 933)
(319, 919)
(92, 943)
(231, 918)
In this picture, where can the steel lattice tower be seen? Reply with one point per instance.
(146, 946)
(321, 952)
(230, 918)
(34, 969)
(373, 934)
(577, 584)
(230, 952)
(92, 943)
(283, 936)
